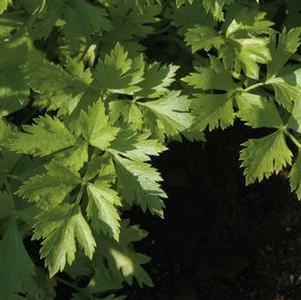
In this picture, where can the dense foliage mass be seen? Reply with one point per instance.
(85, 103)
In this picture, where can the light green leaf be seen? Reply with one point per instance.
(282, 47)
(62, 227)
(138, 182)
(216, 7)
(167, 116)
(51, 188)
(95, 127)
(257, 111)
(203, 37)
(294, 121)
(264, 156)
(118, 73)
(287, 88)
(46, 136)
(246, 54)
(211, 78)
(136, 147)
(73, 158)
(58, 88)
(295, 177)
(156, 80)
(4, 5)
(213, 110)
(102, 209)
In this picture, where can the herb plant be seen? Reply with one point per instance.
(85, 104)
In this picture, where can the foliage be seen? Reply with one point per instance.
(90, 91)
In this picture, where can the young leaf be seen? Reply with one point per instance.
(95, 127)
(118, 73)
(62, 227)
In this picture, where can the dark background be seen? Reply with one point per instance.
(220, 239)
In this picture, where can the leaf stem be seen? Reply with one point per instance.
(253, 87)
(293, 139)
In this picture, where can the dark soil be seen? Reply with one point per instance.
(219, 239)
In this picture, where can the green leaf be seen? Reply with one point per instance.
(168, 116)
(62, 227)
(95, 127)
(156, 80)
(282, 47)
(16, 267)
(102, 209)
(203, 37)
(246, 54)
(58, 88)
(51, 188)
(4, 5)
(264, 156)
(46, 136)
(138, 182)
(216, 7)
(122, 257)
(295, 176)
(213, 110)
(14, 92)
(181, 2)
(7, 205)
(93, 19)
(130, 25)
(287, 88)
(73, 158)
(118, 73)
(257, 111)
(246, 19)
(41, 287)
(208, 79)
(136, 147)
(294, 121)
